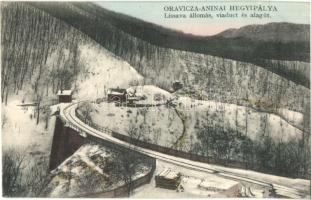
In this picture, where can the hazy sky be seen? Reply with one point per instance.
(295, 12)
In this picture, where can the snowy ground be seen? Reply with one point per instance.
(19, 127)
(297, 187)
(20, 131)
(91, 169)
(299, 184)
(190, 182)
(226, 115)
(103, 70)
(153, 95)
(164, 125)
(100, 70)
(243, 119)
(21, 135)
(158, 124)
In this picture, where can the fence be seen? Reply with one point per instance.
(166, 150)
(178, 153)
(138, 105)
(92, 124)
(122, 191)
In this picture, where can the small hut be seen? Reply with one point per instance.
(117, 95)
(168, 179)
(64, 96)
(177, 85)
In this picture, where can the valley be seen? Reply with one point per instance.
(114, 101)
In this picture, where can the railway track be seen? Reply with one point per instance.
(67, 114)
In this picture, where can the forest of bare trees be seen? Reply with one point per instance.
(39, 51)
(40, 55)
(20, 177)
(219, 78)
(285, 158)
(41, 61)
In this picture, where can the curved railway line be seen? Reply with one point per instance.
(68, 116)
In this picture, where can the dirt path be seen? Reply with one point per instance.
(180, 140)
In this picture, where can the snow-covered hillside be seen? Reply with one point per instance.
(162, 62)
(264, 115)
(19, 128)
(66, 59)
(165, 124)
(42, 55)
(150, 94)
(155, 124)
(55, 56)
(101, 71)
(91, 169)
(247, 121)
(208, 128)
(27, 143)
(151, 124)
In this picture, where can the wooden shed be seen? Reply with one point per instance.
(168, 179)
(64, 96)
(117, 95)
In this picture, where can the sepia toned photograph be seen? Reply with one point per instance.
(155, 99)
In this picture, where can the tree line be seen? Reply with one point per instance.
(291, 158)
(40, 54)
(162, 64)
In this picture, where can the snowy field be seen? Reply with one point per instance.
(193, 115)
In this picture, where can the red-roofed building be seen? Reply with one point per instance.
(64, 96)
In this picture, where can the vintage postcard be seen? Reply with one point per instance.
(155, 99)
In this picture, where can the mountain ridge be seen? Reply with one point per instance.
(66, 51)
(274, 31)
(93, 21)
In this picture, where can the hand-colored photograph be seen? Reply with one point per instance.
(155, 99)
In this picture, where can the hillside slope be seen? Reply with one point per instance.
(218, 78)
(40, 55)
(47, 47)
(282, 32)
(45, 54)
(100, 23)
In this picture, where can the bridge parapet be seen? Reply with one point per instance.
(92, 124)
(91, 135)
